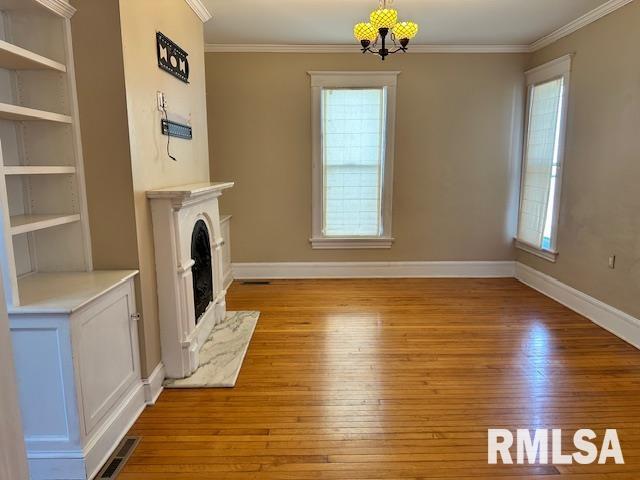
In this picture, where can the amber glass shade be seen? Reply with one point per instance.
(365, 31)
(406, 30)
(384, 18)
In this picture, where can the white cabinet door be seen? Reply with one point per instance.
(107, 360)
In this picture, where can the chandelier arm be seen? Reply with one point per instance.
(389, 52)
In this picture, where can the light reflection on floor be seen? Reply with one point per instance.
(536, 350)
(351, 359)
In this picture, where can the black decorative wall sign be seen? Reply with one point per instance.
(171, 58)
(175, 129)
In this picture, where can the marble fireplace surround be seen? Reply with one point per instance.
(175, 211)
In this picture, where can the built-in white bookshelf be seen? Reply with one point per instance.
(43, 206)
(68, 322)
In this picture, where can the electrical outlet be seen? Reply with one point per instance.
(162, 101)
(612, 262)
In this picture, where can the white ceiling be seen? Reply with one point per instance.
(321, 22)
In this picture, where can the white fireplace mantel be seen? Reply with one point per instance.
(191, 192)
(175, 211)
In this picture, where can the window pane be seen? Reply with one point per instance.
(541, 162)
(353, 156)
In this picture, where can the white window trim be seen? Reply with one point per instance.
(320, 80)
(538, 252)
(558, 68)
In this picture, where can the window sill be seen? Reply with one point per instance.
(343, 243)
(538, 252)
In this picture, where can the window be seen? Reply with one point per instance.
(543, 155)
(353, 148)
(353, 130)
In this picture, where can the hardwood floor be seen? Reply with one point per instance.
(382, 379)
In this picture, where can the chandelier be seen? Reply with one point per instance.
(384, 21)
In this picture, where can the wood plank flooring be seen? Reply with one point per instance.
(397, 379)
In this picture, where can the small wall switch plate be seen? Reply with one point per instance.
(612, 262)
(162, 101)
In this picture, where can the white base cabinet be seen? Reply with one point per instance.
(75, 343)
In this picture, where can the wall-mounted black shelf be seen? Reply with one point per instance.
(178, 130)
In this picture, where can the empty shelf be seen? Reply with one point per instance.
(13, 57)
(38, 170)
(15, 112)
(30, 223)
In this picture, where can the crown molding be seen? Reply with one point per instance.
(571, 27)
(276, 48)
(59, 7)
(469, 48)
(588, 18)
(353, 48)
(200, 9)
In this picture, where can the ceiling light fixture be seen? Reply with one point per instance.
(384, 21)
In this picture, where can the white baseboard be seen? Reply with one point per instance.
(300, 270)
(42, 467)
(617, 322)
(104, 442)
(228, 279)
(153, 385)
(83, 464)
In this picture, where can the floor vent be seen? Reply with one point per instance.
(117, 461)
(256, 282)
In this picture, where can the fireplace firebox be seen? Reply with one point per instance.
(201, 270)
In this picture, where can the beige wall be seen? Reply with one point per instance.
(125, 154)
(600, 207)
(105, 136)
(458, 119)
(151, 166)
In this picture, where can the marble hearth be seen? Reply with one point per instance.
(183, 218)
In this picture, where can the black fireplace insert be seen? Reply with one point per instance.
(201, 270)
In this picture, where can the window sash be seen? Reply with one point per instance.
(547, 101)
(545, 113)
(353, 161)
